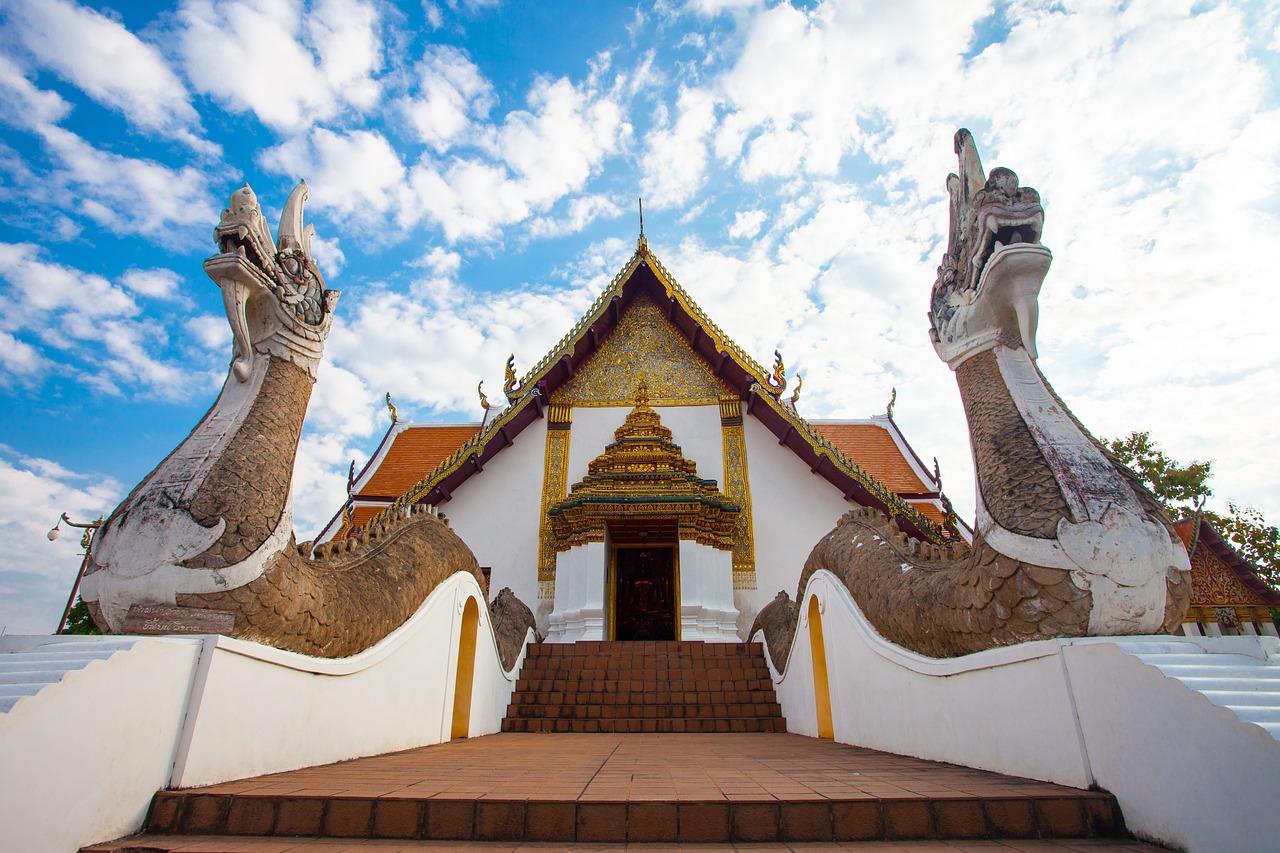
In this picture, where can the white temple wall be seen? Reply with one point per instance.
(1078, 712)
(791, 507)
(82, 758)
(496, 513)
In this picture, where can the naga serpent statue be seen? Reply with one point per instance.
(1068, 542)
(211, 528)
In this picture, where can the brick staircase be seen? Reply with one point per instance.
(612, 743)
(644, 687)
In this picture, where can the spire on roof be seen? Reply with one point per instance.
(642, 244)
(391, 409)
(893, 398)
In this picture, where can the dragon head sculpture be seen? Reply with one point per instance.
(989, 281)
(274, 295)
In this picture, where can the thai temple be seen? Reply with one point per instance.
(644, 600)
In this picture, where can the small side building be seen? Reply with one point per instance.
(1227, 596)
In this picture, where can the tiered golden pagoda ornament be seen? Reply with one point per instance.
(642, 474)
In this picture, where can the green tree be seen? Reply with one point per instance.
(79, 621)
(1254, 539)
(1182, 489)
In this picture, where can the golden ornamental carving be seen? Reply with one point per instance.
(1214, 584)
(643, 474)
(554, 475)
(737, 487)
(644, 345)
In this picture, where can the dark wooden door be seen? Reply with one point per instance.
(645, 594)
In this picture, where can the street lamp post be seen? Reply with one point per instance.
(85, 541)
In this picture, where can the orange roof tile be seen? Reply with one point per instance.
(359, 515)
(873, 448)
(932, 513)
(414, 454)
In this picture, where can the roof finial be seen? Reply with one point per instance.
(888, 410)
(392, 409)
(642, 243)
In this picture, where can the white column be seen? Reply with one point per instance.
(1269, 628)
(706, 594)
(1191, 629)
(578, 613)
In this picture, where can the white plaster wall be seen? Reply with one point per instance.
(1007, 710)
(496, 513)
(282, 710)
(791, 508)
(1187, 773)
(81, 759)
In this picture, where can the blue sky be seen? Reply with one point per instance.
(474, 169)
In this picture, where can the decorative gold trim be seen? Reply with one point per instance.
(737, 487)
(554, 476)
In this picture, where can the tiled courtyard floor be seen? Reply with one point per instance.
(639, 767)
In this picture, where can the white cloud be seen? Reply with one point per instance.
(35, 574)
(128, 195)
(675, 158)
(451, 95)
(25, 105)
(210, 331)
(328, 256)
(110, 64)
(155, 283)
(290, 63)
(85, 318)
(20, 360)
(746, 224)
(580, 213)
(357, 174)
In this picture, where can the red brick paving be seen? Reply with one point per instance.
(661, 788)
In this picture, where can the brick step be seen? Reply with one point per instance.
(653, 698)
(587, 687)
(644, 688)
(659, 725)
(618, 788)
(640, 712)
(176, 814)
(692, 676)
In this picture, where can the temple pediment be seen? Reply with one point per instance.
(643, 346)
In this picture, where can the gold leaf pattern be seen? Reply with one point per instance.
(644, 345)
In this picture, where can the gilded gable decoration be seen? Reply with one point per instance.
(644, 474)
(644, 343)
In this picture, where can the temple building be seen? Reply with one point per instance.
(648, 479)
(1227, 596)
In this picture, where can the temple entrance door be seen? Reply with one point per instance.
(644, 593)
